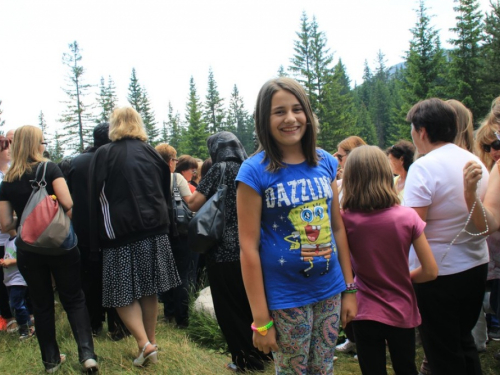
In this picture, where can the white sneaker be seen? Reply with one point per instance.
(346, 347)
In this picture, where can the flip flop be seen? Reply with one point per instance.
(12, 329)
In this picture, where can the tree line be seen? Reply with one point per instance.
(374, 110)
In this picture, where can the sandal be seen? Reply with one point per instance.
(152, 357)
(13, 329)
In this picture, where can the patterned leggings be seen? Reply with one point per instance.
(306, 337)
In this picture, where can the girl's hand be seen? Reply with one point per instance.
(472, 174)
(266, 343)
(349, 308)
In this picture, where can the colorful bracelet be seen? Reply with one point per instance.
(350, 291)
(351, 286)
(262, 330)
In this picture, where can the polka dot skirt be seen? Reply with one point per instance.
(138, 269)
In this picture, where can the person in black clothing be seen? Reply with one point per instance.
(36, 268)
(129, 189)
(231, 305)
(78, 181)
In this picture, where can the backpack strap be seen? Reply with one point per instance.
(38, 183)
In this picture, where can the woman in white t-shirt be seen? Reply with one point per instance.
(449, 305)
(176, 301)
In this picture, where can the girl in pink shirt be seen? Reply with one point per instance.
(380, 233)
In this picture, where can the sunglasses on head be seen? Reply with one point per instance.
(5, 143)
(494, 145)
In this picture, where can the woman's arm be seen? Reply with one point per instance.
(428, 270)
(196, 201)
(63, 195)
(473, 173)
(249, 208)
(349, 302)
(7, 221)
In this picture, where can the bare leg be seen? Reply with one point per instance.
(149, 306)
(132, 317)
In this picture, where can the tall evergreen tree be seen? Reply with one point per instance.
(491, 72)
(135, 95)
(214, 114)
(302, 60)
(425, 62)
(106, 100)
(240, 122)
(77, 116)
(148, 117)
(42, 123)
(282, 72)
(195, 140)
(466, 64)
(379, 106)
(56, 149)
(174, 129)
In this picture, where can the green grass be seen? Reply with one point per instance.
(200, 350)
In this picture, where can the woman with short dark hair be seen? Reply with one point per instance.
(449, 305)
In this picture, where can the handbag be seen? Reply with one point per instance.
(45, 228)
(207, 226)
(182, 215)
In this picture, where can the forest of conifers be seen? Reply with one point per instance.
(374, 110)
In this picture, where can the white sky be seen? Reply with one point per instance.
(168, 41)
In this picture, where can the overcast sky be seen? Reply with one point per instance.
(167, 42)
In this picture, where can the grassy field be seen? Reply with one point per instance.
(179, 354)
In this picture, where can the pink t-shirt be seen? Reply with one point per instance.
(380, 243)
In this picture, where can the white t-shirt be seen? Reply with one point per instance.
(436, 180)
(182, 184)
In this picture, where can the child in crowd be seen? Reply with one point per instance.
(17, 289)
(294, 252)
(380, 233)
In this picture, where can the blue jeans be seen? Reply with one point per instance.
(17, 300)
(36, 270)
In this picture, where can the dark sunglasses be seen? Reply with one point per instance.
(5, 143)
(495, 146)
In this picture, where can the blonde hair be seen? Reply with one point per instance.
(166, 151)
(25, 152)
(368, 181)
(126, 122)
(465, 126)
(351, 143)
(485, 135)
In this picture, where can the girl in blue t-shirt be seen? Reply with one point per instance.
(294, 252)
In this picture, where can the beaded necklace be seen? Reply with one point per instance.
(469, 217)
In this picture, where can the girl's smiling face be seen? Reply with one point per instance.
(288, 120)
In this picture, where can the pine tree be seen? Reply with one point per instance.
(240, 122)
(77, 116)
(2, 122)
(379, 105)
(214, 114)
(174, 130)
(466, 64)
(491, 72)
(148, 117)
(42, 123)
(107, 100)
(425, 63)
(135, 96)
(282, 72)
(195, 140)
(302, 61)
(55, 148)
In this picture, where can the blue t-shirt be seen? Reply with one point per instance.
(297, 250)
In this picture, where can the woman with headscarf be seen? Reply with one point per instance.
(223, 262)
(129, 189)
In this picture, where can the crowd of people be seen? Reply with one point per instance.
(382, 242)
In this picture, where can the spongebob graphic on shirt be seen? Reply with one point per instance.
(312, 235)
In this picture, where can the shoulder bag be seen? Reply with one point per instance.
(207, 226)
(181, 212)
(44, 228)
